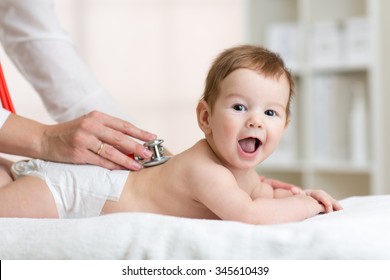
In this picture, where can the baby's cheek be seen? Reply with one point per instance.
(273, 140)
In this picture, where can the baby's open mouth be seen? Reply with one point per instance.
(250, 144)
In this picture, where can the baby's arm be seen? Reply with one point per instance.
(265, 189)
(222, 195)
(330, 204)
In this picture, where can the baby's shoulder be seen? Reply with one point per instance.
(198, 163)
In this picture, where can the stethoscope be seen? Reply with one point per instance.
(158, 153)
(5, 98)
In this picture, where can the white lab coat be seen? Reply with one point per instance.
(33, 39)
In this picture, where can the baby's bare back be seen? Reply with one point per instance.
(164, 189)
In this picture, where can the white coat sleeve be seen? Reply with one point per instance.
(34, 40)
(4, 114)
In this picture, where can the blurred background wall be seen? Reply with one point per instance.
(151, 55)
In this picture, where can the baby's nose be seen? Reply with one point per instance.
(255, 121)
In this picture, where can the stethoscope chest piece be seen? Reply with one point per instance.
(158, 153)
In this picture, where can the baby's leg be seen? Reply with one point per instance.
(5, 172)
(27, 197)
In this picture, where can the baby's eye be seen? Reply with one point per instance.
(270, 113)
(239, 107)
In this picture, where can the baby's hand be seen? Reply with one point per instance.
(276, 184)
(329, 203)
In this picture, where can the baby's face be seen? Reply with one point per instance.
(248, 118)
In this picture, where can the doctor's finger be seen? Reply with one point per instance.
(122, 143)
(111, 158)
(123, 126)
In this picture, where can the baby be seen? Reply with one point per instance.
(243, 113)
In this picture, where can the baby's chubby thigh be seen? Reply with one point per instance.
(27, 197)
(5, 174)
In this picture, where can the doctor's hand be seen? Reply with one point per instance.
(98, 139)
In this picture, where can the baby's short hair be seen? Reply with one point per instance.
(251, 57)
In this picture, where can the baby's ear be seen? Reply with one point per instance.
(203, 114)
(287, 122)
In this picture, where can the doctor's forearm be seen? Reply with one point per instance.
(21, 136)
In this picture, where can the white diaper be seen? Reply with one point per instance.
(78, 190)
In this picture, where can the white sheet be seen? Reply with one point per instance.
(360, 231)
